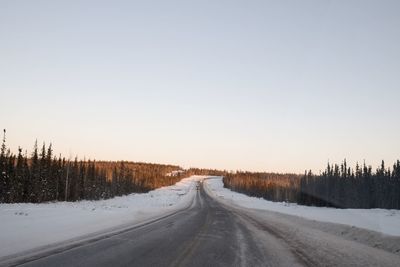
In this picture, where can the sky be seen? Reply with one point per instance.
(278, 86)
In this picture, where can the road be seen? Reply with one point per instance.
(210, 233)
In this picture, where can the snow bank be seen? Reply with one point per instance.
(28, 226)
(380, 220)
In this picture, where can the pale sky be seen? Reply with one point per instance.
(253, 85)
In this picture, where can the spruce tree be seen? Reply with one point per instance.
(35, 174)
(3, 184)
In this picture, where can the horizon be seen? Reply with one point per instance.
(258, 86)
(71, 157)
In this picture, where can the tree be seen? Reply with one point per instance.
(3, 174)
(35, 174)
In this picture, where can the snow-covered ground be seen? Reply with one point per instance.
(28, 226)
(380, 220)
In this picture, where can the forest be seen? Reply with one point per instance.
(43, 177)
(271, 186)
(338, 186)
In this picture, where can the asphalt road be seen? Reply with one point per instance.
(213, 234)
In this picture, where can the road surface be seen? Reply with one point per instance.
(210, 233)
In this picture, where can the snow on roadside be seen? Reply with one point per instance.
(379, 220)
(28, 226)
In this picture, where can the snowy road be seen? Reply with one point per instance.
(211, 233)
(205, 234)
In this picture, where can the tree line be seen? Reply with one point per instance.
(203, 171)
(42, 177)
(342, 186)
(338, 186)
(271, 186)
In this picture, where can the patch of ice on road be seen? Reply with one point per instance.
(27, 226)
(379, 220)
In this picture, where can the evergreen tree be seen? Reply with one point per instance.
(3, 174)
(35, 174)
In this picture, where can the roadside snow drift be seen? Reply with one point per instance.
(379, 220)
(28, 226)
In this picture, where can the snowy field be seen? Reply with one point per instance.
(28, 226)
(379, 220)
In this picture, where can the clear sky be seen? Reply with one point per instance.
(255, 85)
